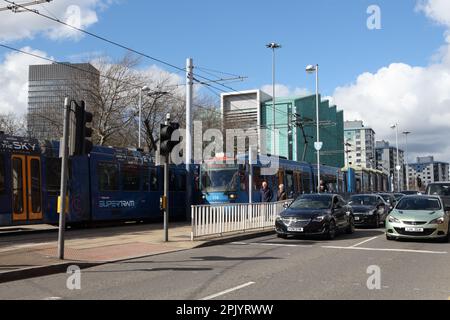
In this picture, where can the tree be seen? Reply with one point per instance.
(13, 125)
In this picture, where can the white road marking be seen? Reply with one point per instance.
(361, 243)
(272, 244)
(228, 291)
(386, 250)
(53, 299)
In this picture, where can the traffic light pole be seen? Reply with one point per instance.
(166, 197)
(64, 175)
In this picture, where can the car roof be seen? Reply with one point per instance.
(366, 195)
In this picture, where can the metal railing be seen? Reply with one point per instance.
(221, 219)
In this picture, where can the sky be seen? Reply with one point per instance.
(398, 73)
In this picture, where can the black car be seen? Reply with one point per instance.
(370, 210)
(389, 198)
(316, 214)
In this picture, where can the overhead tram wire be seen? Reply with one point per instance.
(107, 40)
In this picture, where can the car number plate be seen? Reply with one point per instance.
(295, 229)
(414, 229)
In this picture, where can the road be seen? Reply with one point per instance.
(265, 268)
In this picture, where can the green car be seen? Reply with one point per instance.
(418, 217)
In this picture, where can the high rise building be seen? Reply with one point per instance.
(360, 145)
(425, 171)
(48, 86)
(386, 161)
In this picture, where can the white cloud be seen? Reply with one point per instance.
(82, 13)
(14, 80)
(417, 97)
(282, 90)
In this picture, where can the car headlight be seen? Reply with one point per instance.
(393, 220)
(440, 220)
(370, 213)
(319, 218)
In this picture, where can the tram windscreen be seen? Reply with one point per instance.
(220, 179)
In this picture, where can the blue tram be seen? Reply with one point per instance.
(225, 180)
(108, 185)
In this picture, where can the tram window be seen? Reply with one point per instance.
(2, 175)
(306, 182)
(35, 165)
(108, 176)
(257, 179)
(289, 182)
(181, 182)
(17, 175)
(130, 178)
(53, 174)
(150, 177)
(172, 181)
(243, 178)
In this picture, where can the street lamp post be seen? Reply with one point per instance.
(406, 133)
(398, 167)
(143, 89)
(273, 46)
(318, 146)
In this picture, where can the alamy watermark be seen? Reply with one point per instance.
(374, 19)
(74, 280)
(234, 145)
(374, 280)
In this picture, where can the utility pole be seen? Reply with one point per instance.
(64, 154)
(406, 133)
(189, 102)
(273, 46)
(166, 190)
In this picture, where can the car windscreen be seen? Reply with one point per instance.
(364, 200)
(386, 197)
(439, 190)
(315, 203)
(419, 204)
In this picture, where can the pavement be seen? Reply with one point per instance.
(31, 251)
(362, 266)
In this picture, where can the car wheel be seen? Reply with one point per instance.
(331, 234)
(377, 222)
(389, 238)
(351, 226)
(282, 236)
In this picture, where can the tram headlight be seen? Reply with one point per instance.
(232, 196)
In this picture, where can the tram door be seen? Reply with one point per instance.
(26, 188)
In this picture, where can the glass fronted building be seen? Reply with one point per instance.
(295, 119)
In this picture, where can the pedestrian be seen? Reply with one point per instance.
(323, 187)
(266, 193)
(281, 196)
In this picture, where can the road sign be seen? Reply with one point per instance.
(318, 146)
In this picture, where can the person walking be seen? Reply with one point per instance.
(281, 195)
(266, 193)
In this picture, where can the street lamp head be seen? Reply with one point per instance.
(311, 68)
(145, 88)
(273, 45)
(393, 126)
(406, 132)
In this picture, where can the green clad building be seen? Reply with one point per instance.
(295, 120)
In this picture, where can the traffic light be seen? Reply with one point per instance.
(165, 138)
(82, 132)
